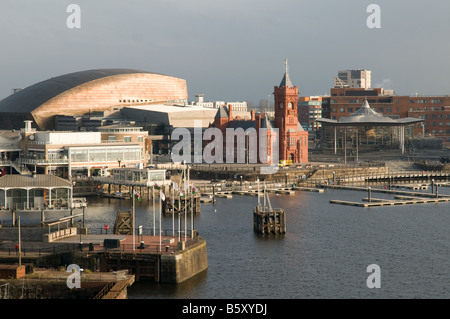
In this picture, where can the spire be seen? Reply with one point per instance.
(286, 81)
(365, 104)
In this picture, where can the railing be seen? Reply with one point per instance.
(39, 251)
(42, 161)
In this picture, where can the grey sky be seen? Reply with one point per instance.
(230, 50)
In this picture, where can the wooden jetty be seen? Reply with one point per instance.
(267, 220)
(380, 202)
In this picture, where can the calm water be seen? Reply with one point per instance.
(324, 254)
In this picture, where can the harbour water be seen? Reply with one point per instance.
(324, 253)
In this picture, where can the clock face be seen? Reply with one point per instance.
(281, 105)
(290, 105)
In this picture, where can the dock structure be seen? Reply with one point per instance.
(402, 198)
(180, 205)
(379, 202)
(267, 220)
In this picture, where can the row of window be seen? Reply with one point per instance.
(434, 124)
(433, 116)
(106, 154)
(378, 109)
(126, 139)
(425, 101)
(434, 132)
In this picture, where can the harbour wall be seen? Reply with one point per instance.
(176, 268)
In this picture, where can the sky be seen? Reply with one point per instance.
(231, 50)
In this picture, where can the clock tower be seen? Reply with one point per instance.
(286, 118)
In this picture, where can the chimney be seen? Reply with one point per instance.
(253, 115)
(230, 116)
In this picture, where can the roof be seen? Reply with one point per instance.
(33, 96)
(169, 108)
(244, 124)
(38, 181)
(366, 115)
(222, 112)
(286, 81)
(266, 123)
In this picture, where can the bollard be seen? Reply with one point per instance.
(167, 248)
(369, 194)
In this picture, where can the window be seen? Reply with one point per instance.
(140, 139)
(127, 139)
(292, 141)
(111, 138)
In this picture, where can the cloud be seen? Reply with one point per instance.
(385, 84)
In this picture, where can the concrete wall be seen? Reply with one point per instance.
(182, 266)
(27, 234)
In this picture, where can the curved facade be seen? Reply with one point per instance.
(83, 92)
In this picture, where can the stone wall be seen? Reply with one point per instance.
(180, 267)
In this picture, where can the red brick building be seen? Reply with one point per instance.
(292, 139)
(434, 110)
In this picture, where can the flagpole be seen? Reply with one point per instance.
(160, 194)
(173, 210)
(154, 222)
(192, 211)
(179, 215)
(134, 222)
(185, 213)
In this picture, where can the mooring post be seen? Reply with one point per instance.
(437, 191)
(369, 194)
(432, 186)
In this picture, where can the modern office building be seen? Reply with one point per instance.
(353, 79)
(309, 110)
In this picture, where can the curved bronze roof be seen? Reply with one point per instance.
(33, 96)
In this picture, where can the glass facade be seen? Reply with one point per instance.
(36, 198)
(106, 154)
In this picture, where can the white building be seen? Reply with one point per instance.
(237, 106)
(353, 79)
